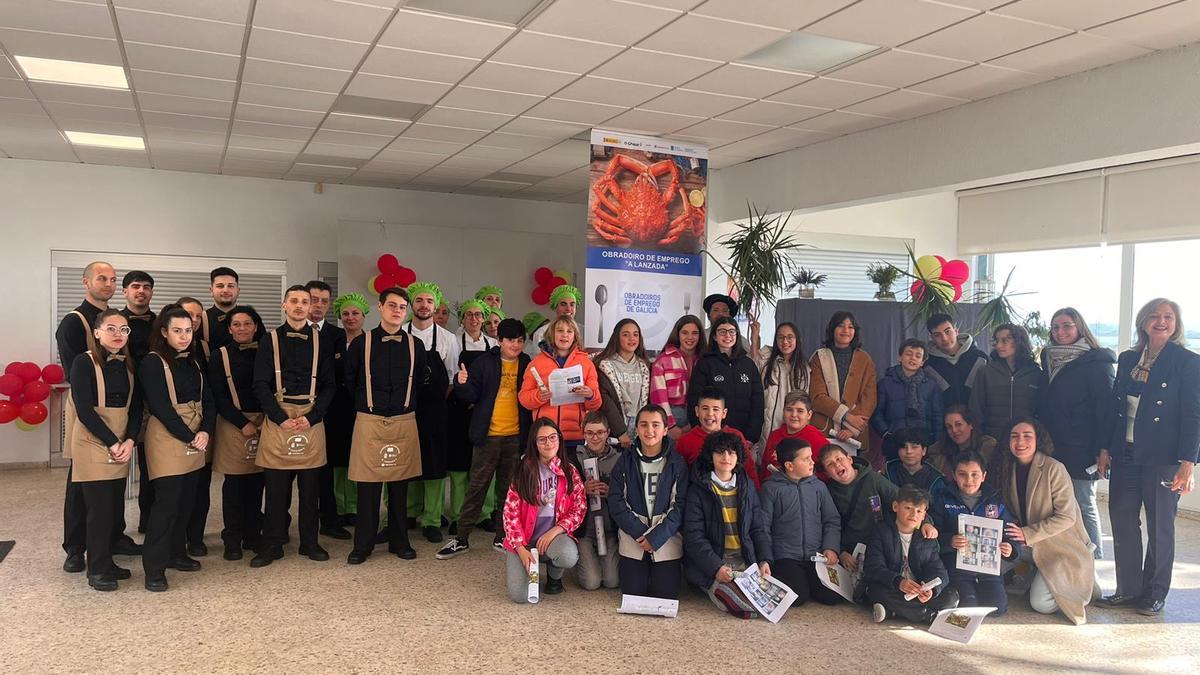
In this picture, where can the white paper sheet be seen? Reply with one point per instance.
(770, 596)
(982, 554)
(641, 604)
(959, 624)
(837, 578)
(562, 382)
(534, 595)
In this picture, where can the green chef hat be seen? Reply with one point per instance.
(429, 287)
(563, 291)
(532, 320)
(485, 291)
(351, 300)
(472, 304)
(492, 311)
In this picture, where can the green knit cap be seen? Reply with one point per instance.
(351, 300)
(429, 287)
(472, 304)
(492, 311)
(563, 291)
(532, 320)
(485, 291)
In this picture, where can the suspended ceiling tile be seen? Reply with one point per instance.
(182, 61)
(54, 16)
(532, 126)
(1161, 28)
(903, 103)
(519, 79)
(539, 50)
(898, 68)
(364, 124)
(888, 22)
(772, 113)
(443, 34)
(694, 103)
(180, 31)
(94, 155)
(827, 92)
(785, 15)
(1071, 54)
(434, 132)
(271, 130)
(357, 152)
(720, 132)
(265, 143)
(487, 100)
(191, 136)
(285, 97)
(177, 121)
(293, 75)
(466, 119)
(580, 112)
(704, 37)
(371, 141)
(75, 111)
(182, 85)
(14, 88)
(57, 46)
(531, 144)
(418, 65)
(234, 11)
(742, 80)
(979, 82)
(610, 92)
(307, 50)
(276, 115)
(842, 122)
(185, 105)
(660, 68)
(984, 37)
(396, 88)
(1077, 14)
(443, 148)
(602, 20)
(651, 122)
(67, 93)
(342, 20)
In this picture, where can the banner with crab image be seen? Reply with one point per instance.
(647, 207)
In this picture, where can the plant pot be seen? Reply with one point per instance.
(885, 296)
(808, 292)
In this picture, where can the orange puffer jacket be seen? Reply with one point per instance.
(569, 418)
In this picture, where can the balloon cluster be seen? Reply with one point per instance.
(391, 273)
(944, 277)
(27, 385)
(546, 281)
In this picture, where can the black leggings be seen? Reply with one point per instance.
(801, 576)
(649, 578)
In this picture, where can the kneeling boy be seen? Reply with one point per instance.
(900, 559)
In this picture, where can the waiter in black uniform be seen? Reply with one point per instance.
(74, 336)
(294, 384)
(223, 283)
(337, 436)
(138, 287)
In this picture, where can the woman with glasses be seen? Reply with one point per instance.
(784, 370)
(1153, 451)
(1009, 385)
(843, 382)
(182, 419)
(108, 414)
(1075, 407)
(474, 343)
(727, 367)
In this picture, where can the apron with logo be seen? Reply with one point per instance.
(279, 448)
(234, 454)
(90, 458)
(166, 455)
(68, 402)
(385, 449)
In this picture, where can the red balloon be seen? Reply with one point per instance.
(405, 276)
(540, 295)
(917, 290)
(17, 399)
(53, 374)
(542, 275)
(387, 263)
(11, 384)
(37, 391)
(957, 292)
(29, 371)
(11, 368)
(8, 411)
(33, 413)
(555, 283)
(383, 282)
(956, 272)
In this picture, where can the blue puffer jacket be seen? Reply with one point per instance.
(891, 411)
(800, 517)
(949, 505)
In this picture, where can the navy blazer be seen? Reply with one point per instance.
(1167, 428)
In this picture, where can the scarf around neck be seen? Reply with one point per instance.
(1058, 356)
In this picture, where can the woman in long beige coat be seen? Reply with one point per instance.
(1037, 488)
(842, 382)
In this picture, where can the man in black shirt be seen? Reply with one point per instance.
(337, 449)
(225, 290)
(138, 287)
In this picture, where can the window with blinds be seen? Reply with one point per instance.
(847, 272)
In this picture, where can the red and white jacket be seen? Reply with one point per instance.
(520, 517)
(669, 376)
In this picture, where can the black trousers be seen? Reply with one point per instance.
(649, 578)
(199, 518)
(801, 577)
(74, 517)
(241, 505)
(912, 611)
(366, 523)
(327, 501)
(1131, 487)
(166, 533)
(104, 499)
(145, 488)
(278, 488)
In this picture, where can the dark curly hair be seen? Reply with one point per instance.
(721, 440)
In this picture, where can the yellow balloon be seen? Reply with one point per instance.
(563, 274)
(23, 425)
(929, 268)
(371, 284)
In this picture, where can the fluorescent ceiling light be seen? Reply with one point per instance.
(503, 11)
(807, 53)
(106, 140)
(73, 72)
(378, 108)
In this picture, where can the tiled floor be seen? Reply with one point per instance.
(436, 616)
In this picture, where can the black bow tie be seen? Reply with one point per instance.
(115, 357)
(142, 317)
(248, 345)
(298, 336)
(397, 338)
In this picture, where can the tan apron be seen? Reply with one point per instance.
(233, 453)
(385, 449)
(165, 454)
(90, 458)
(69, 403)
(279, 448)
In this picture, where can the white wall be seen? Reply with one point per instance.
(53, 205)
(1138, 109)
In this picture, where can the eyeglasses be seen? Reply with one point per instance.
(547, 440)
(474, 315)
(117, 330)
(726, 332)
(1003, 341)
(595, 434)
(1062, 327)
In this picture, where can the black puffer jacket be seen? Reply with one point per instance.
(1001, 395)
(1076, 407)
(739, 379)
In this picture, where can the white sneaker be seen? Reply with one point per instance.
(878, 613)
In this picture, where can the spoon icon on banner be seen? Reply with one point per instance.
(601, 298)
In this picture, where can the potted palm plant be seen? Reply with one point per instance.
(758, 261)
(807, 281)
(884, 277)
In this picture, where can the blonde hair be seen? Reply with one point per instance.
(565, 320)
(1143, 315)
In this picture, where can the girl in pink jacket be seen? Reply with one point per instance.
(546, 503)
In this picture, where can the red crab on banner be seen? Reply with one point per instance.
(639, 213)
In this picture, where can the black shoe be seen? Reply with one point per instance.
(184, 564)
(232, 552)
(488, 525)
(1150, 607)
(141, 528)
(498, 542)
(553, 586)
(335, 532)
(197, 550)
(452, 548)
(74, 563)
(382, 536)
(126, 546)
(357, 557)
(445, 522)
(266, 556)
(432, 534)
(156, 584)
(405, 552)
(454, 528)
(102, 582)
(1117, 600)
(314, 552)
(118, 573)
(412, 523)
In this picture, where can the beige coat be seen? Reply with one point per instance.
(1054, 529)
(830, 406)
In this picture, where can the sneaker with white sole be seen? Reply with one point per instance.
(878, 613)
(452, 548)
(498, 542)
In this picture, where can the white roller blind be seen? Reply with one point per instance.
(1056, 212)
(1153, 201)
(847, 272)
